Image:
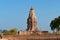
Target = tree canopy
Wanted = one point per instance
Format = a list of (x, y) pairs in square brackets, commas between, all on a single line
[(10, 32), (55, 24)]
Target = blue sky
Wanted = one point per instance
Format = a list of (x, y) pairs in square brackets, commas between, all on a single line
[(14, 13)]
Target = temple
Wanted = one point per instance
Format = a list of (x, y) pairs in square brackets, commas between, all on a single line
[(31, 21), (32, 25)]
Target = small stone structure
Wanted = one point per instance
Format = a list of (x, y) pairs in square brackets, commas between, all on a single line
[(32, 32), (25, 32)]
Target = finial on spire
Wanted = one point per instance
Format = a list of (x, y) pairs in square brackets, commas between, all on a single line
[(32, 8)]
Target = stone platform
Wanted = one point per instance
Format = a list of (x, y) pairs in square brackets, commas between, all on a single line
[(33, 37)]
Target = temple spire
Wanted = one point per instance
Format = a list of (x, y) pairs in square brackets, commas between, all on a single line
[(31, 21)]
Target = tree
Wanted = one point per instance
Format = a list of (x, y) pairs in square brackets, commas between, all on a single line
[(55, 24), (10, 32), (5, 31), (13, 31)]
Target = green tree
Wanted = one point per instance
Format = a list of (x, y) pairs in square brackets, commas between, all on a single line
[(10, 32), (5, 32), (55, 24), (13, 31)]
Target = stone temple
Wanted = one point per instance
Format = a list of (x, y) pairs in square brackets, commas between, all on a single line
[(31, 25), (31, 21)]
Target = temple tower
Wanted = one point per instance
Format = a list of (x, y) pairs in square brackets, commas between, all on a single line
[(31, 21)]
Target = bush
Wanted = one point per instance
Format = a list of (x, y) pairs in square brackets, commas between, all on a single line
[(10, 32)]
